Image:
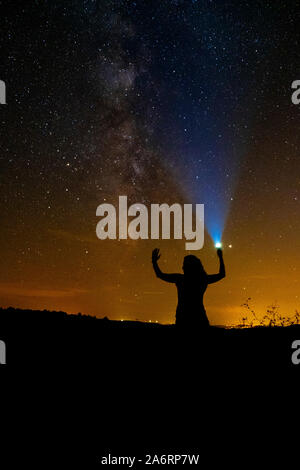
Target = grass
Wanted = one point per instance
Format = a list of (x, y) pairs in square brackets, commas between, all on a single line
[(272, 318)]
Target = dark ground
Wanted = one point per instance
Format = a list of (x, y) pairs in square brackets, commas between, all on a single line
[(129, 388), (56, 338)]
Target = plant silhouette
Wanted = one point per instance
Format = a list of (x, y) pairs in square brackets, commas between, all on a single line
[(191, 286)]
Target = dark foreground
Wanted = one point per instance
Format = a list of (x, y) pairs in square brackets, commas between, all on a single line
[(101, 387), (48, 338)]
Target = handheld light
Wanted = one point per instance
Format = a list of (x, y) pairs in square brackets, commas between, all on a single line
[(218, 245)]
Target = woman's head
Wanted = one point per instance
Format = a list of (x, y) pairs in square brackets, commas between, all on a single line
[(192, 265)]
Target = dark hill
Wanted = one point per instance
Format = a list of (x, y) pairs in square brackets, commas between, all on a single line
[(48, 337)]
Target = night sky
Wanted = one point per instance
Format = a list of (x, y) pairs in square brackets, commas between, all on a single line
[(162, 101)]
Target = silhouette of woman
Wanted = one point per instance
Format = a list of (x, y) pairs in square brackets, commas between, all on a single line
[(191, 286)]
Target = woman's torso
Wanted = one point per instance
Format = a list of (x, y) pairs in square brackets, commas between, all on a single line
[(190, 308)]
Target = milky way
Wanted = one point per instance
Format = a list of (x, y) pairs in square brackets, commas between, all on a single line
[(167, 101)]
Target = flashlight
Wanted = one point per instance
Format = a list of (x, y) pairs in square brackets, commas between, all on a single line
[(218, 245)]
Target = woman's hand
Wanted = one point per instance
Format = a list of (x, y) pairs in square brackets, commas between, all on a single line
[(155, 255), (219, 253)]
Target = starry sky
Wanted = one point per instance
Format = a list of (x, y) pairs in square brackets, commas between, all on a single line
[(165, 101)]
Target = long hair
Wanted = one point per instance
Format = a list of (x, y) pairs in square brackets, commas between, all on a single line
[(193, 266)]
